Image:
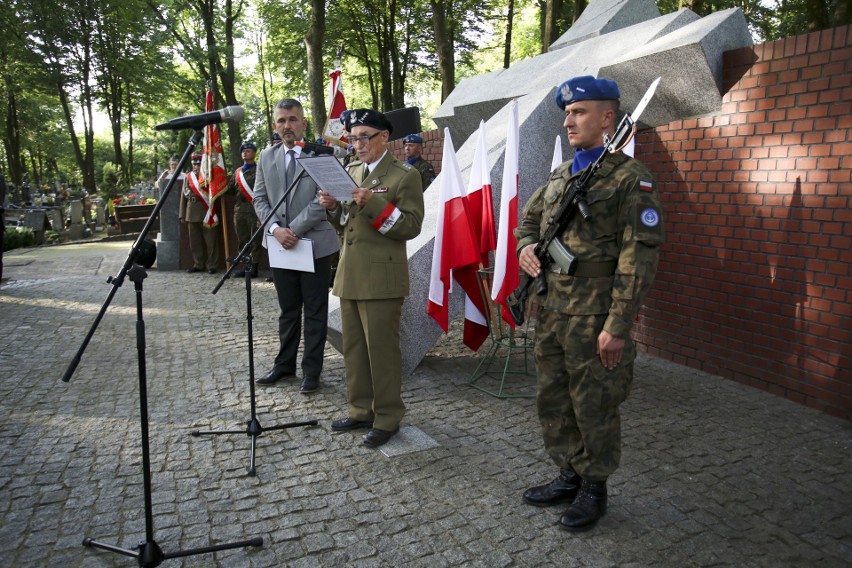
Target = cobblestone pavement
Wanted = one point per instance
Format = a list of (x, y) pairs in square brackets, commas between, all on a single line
[(713, 473)]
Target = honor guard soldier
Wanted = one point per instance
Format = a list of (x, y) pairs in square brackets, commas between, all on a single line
[(245, 218), (413, 148), (192, 210), (583, 349)]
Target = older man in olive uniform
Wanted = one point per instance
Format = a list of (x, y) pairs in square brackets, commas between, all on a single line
[(372, 276), (203, 239), (413, 148), (245, 218), (584, 353)]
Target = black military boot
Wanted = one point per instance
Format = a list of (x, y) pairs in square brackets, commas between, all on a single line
[(587, 508), (563, 489)]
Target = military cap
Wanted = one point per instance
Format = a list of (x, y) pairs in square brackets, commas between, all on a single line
[(586, 88), (367, 117), (196, 158), (248, 146), (412, 139)]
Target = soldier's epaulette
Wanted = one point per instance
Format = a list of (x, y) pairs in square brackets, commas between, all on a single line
[(403, 165)]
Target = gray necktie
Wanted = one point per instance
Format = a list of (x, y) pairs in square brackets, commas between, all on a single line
[(291, 167)]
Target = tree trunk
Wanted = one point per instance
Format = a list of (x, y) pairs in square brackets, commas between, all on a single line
[(444, 47), (12, 142), (552, 13), (507, 53), (579, 6), (316, 71)]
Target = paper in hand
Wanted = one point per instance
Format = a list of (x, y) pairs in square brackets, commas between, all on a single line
[(330, 176)]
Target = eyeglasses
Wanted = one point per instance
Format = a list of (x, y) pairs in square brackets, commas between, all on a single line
[(364, 138)]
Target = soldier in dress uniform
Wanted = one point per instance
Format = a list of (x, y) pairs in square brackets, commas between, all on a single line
[(203, 239), (245, 218), (372, 276), (583, 350), (413, 148)]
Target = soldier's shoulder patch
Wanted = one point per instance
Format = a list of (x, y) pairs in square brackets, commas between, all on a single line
[(650, 217), (645, 185)]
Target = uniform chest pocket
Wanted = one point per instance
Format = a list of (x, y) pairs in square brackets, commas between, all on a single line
[(603, 204)]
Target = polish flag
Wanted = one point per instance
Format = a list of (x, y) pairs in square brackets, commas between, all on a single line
[(505, 259), (455, 244), (212, 177), (557, 154), (480, 208)]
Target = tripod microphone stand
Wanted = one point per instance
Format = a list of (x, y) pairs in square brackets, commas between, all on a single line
[(253, 428), (147, 552)]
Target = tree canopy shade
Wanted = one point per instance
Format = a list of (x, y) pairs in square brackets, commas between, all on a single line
[(140, 62)]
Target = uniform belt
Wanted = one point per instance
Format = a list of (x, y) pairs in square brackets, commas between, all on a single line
[(588, 269)]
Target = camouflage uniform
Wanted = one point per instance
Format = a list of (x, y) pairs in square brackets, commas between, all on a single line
[(426, 169), (617, 252)]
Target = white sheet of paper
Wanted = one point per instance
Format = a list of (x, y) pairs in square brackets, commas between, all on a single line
[(329, 175), (300, 257)]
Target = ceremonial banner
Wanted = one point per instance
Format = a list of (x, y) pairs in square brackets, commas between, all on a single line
[(212, 178), (557, 154), (337, 104)]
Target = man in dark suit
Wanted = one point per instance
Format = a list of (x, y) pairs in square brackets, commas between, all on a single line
[(372, 275), (299, 216)]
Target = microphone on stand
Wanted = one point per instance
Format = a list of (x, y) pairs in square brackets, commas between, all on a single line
[(320, 149), (196, 121)]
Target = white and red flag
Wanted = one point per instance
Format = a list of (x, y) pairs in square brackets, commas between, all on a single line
[(480, 209), (212, 177), (337, 104), (557, 154), (505, 259), (455, 244)]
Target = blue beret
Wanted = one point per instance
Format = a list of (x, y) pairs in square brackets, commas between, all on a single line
[(276, 136), (367, 117), (586, 88), (412, 139), (343, 116), (248, 146)]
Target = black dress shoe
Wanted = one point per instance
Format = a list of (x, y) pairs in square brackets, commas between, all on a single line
[(563, 489), (376, 437), (240, 273), (273, 376), (309, 384), (587, 508), (193, 270), (212, 270), (347, 424)]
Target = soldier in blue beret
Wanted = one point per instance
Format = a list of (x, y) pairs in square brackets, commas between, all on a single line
[(413, 148), (584, 352)]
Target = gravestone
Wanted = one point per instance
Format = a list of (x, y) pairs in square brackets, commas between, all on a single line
[(75, 229), (624, 40), (168, 239)]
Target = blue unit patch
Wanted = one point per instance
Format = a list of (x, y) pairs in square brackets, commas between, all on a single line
[(650, 217)]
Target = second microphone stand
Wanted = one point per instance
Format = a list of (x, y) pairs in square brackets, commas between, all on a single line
[(253, 428)]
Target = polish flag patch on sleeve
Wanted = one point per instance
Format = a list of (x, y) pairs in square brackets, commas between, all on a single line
[(387, 218), (646, 186)]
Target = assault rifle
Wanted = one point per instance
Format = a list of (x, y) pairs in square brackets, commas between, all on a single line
[(551, 248)]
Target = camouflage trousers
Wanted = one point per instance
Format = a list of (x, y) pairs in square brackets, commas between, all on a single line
[(577, 398)]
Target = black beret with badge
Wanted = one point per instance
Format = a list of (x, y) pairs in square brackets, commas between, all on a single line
[(367, 117)]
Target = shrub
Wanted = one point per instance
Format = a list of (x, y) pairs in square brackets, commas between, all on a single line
[(18, 238)]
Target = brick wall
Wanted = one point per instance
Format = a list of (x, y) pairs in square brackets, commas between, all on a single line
[(754, 281), (433, 148)]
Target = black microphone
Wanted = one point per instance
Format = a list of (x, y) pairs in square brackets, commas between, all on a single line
[(320, 149), (196, 121)]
